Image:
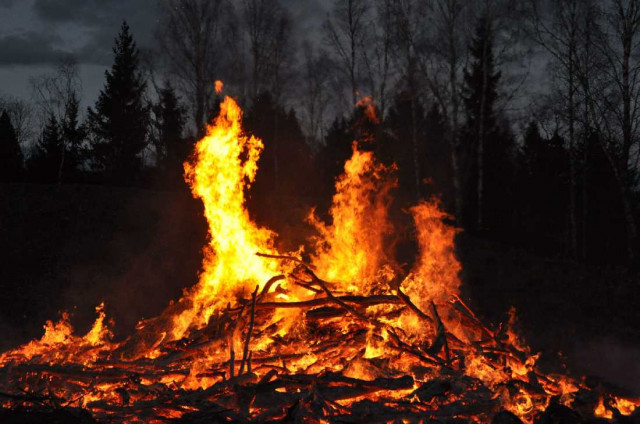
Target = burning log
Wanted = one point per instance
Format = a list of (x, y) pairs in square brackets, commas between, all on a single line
[(248, 338)]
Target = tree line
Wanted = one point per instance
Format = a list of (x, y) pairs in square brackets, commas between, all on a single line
[(554, 169)]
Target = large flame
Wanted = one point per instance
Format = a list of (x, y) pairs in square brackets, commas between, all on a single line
[(435, 274), (224, 165), (352, 248)]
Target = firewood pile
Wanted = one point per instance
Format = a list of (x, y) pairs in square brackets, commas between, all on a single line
[(324, 373), (347, 335)]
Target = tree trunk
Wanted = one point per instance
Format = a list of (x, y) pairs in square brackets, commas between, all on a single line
[(455, 142), (482, 129), (627, 43), (573, 225)]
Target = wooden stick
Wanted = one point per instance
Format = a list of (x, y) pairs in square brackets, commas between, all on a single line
[(359, 300), (441, 331), (232, 353), (469, 313), (248, 336), (407, 301), (232, 357), (283, 257), (330, 295), (269, 283)]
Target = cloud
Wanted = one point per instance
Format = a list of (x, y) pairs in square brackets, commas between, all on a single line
[(29, 48), (6, 3), (97, 23)]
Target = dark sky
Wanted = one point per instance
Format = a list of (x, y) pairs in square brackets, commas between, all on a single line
[(34, 34)]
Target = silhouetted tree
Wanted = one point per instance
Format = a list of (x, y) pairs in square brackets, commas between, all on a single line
[(11, 158), (406, 116), (345, 33), (45, 162), (191, 34), (73, 135), (481, 132), (542, 191), (118, 125), (335, 152), (172, 148), (285, 161), (605, 227), (437, 168)]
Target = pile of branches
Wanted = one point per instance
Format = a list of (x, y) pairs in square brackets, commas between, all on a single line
[(264, 385)]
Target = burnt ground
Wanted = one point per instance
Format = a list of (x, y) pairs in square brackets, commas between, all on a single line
[(70, 247)]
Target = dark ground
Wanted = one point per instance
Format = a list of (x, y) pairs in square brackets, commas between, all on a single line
[(69, 247)]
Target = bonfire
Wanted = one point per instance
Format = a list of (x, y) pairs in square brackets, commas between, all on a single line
[(333, 332)]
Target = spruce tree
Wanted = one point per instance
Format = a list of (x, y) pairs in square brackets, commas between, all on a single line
[(335, 152), (486, 145), (438, 165), (45, 162), (405, 121), (118, 125), (73, 135), (172, 148), (11, 158), (286, 157)]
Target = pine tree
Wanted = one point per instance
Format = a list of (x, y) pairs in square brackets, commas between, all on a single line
[(438, 165), (118, 125), (45, 162), (172, 148), (73, 134), (398, 147), (286, 158), (483, 139), (542, 190), (11, 158), (335, 152)]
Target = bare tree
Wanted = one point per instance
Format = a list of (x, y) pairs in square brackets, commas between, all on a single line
[(622, 102), (345, 31), (407, 19), (559, 34), (190, 35), (54, 92), (433, 35), (268, 28), (377, 53), (57, 94), (314, 93)]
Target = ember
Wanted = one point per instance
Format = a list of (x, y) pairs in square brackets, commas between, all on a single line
[(268, 336)]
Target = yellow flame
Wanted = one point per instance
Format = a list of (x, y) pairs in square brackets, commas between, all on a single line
[(224, 163)]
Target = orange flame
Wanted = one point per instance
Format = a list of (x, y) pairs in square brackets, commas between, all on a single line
[(366, 103), (352, 249), (435, 273)]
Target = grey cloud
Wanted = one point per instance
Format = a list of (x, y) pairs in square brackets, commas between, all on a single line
[(101, 19), (29, 48), (7, 3)]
